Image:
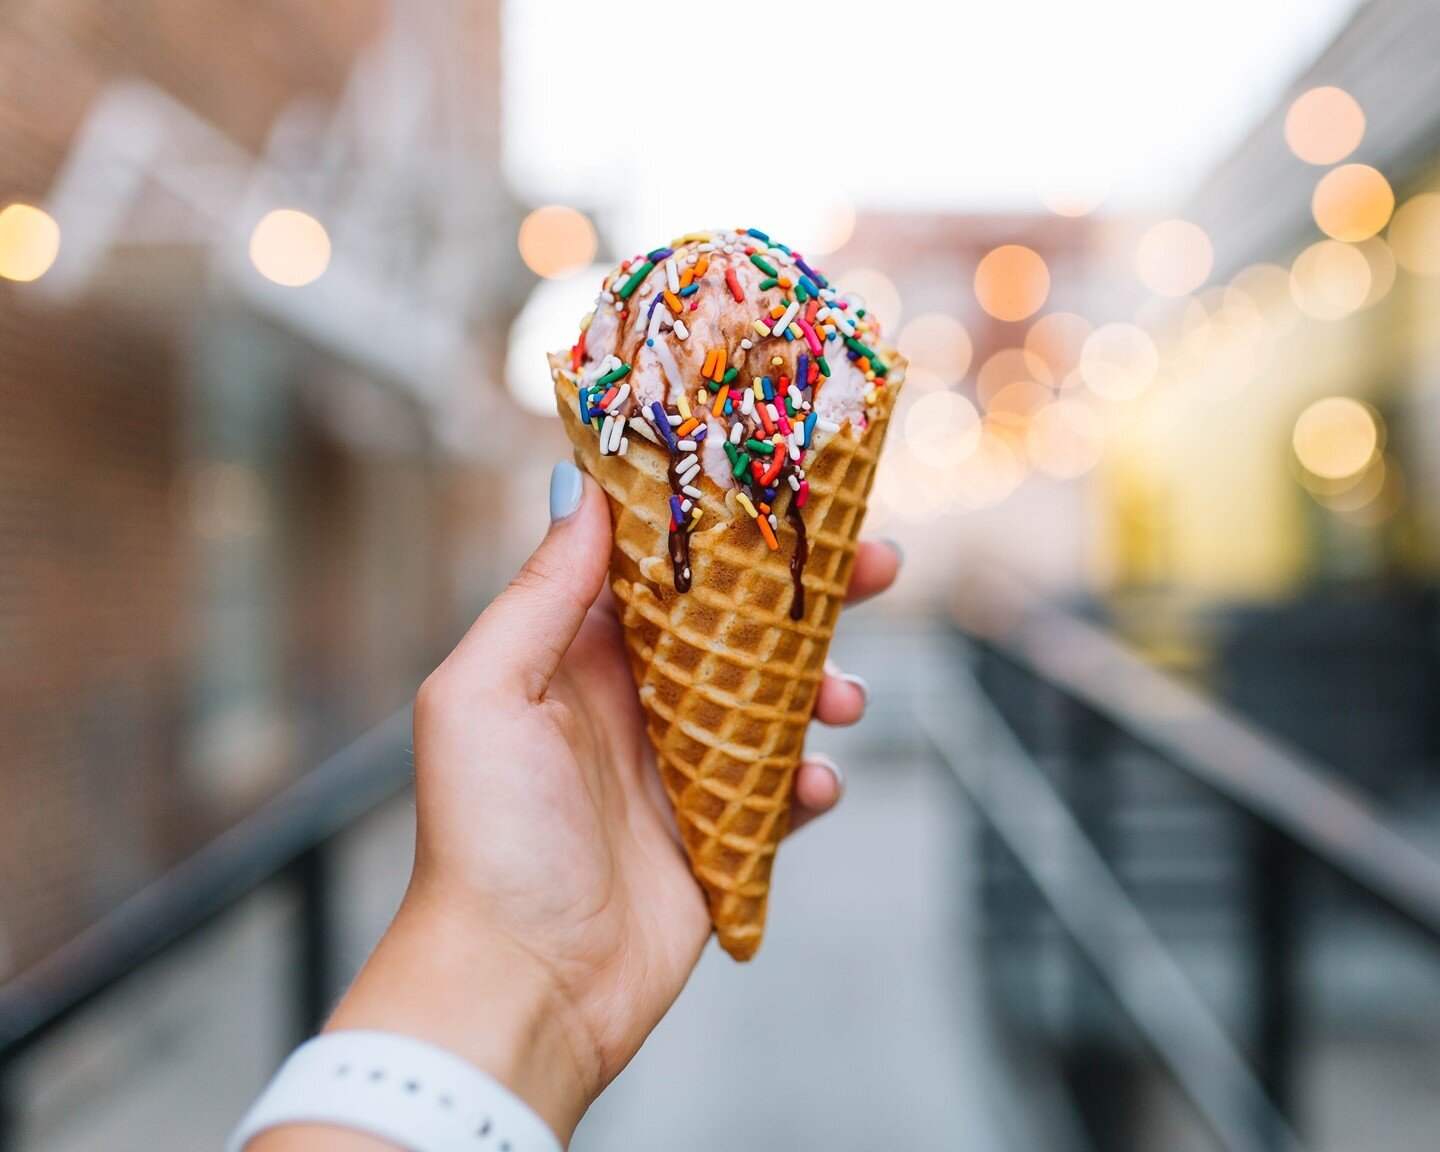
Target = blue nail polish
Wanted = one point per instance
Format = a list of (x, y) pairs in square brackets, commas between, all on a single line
[(894, 546), (566, 488)]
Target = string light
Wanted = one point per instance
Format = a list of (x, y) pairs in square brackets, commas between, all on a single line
[(937, 343), (1053, 346), (1336, 437), (556, 242), (1064, 439), (1330, 280), (290, 247), (877, 291), (1266, 287), (942, 428), (1005, 367), (1352, 203), (1174, 258), (29, 242), (1414, 234), (1012, 282), (837, 225), (1119, 361), (1324, 125)]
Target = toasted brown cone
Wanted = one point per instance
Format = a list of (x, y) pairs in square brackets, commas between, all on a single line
[(727, 679)]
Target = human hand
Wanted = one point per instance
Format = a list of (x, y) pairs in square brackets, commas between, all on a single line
[(551, 918)]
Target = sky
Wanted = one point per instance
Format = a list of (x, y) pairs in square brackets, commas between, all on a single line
[(659, 117)]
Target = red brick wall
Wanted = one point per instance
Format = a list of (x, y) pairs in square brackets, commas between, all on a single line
[(90, 578), (98, 568)]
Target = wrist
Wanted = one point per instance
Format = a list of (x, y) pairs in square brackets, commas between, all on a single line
[(481, 998)]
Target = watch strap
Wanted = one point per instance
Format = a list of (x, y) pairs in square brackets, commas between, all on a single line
[(401, 1089)]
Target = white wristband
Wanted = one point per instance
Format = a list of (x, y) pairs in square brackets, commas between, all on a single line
[(400, 1089)]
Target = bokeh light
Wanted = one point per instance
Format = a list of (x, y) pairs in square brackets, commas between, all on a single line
[(1174, 258), (1350, 492), (1164, 317), (1053, 346), (918, 380), (1119, 361), (1012, 282), (1217, 357), (1414, 234), (1324, 125), (556, 241), (1368, 498), (548, 321), (937, 343), (910, 489), (942, 428), (1352, 203), (836, 226), (1265, 287), (1330, 280), (1020, 399), (29, 242), (290, 247), (1381, 260), (878, 292), (1238, 309), (1074, 200), (1064, 439), (994, 470), (1003, 368), (1336, 437)]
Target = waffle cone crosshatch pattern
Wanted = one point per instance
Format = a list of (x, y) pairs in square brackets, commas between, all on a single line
[(726, 670)]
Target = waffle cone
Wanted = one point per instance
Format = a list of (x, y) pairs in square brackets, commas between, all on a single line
[(726, 678)]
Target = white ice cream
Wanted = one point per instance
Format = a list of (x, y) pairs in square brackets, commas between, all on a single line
[(713, 318)]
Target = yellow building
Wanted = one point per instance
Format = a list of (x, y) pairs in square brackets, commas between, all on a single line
[(1236, 478)]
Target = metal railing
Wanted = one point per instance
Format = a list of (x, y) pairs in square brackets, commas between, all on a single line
[(287, 840), (1104, 696), (1109, 694)]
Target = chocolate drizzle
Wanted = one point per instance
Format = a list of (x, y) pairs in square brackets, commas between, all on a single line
[(751, 328), (798, 559), (679, 535)]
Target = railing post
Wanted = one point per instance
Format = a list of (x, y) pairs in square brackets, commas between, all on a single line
[(1276, 958), (315, 966), (9, 1118), (1102, 1075)]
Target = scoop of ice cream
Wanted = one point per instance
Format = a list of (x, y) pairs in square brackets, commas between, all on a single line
[(728, 309), (738, 360)]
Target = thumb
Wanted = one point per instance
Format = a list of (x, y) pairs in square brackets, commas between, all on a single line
[(520, 639)]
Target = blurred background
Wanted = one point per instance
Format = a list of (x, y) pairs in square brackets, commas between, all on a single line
[(1142, 842)]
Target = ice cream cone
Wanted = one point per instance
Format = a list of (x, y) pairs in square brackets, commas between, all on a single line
[(726, 673)]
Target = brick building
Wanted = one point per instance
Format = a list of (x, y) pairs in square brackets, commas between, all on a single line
[(227, 532)]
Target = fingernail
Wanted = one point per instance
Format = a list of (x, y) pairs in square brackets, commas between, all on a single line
[(894, 546), (566, 488), (860, 684), (830, 766)]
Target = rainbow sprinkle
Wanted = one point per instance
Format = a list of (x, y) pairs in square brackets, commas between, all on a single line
[(790, 315)]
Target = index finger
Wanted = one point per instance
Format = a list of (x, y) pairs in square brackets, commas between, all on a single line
[(877, 564)]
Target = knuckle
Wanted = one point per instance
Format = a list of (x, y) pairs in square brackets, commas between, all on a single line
[(565, 721), (435, 696), (546, 577), (537, 574)]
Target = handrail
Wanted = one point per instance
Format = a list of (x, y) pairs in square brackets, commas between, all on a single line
[(1306, 801), (1023, 809), (260, 847)]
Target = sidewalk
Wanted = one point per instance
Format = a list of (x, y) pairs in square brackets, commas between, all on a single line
[(851, 1031)]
